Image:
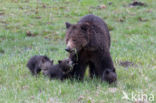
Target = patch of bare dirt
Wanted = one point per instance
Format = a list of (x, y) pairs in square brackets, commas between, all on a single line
[(2, 51), (137, 3), (30, 34), (142, 19), (127, 64), (1, 13)]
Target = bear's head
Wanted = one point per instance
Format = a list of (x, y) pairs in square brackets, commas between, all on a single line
[(109, 75), (66, 65), (45, 63), (76, 36)]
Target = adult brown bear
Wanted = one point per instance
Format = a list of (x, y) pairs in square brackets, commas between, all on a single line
[(91, 39)]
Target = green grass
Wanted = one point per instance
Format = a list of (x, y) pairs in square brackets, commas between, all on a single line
[(133, 36)]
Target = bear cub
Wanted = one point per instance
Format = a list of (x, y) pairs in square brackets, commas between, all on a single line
[(58, 71), (38, 63), (109, 75)]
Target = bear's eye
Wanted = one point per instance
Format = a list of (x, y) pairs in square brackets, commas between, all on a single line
[(107, 72), (74, 40), (113, 70), (67, 40)]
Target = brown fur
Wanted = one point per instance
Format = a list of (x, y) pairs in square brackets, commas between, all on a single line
[(91, 40)]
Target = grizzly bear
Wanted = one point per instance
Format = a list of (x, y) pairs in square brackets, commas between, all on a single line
[(88, 43), (38, 63), (58, 71)]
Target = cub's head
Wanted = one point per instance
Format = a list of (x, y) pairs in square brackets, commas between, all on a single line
[(66, 65), (76, 36), (45, 63), (109, 75)]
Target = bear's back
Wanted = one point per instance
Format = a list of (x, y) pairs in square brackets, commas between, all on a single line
[(93, 20), (97, 21), (33, 61)]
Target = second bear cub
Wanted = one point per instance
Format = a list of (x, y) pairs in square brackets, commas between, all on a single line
[(58, 71), (109, 75)]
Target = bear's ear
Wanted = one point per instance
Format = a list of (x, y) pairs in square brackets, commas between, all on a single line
[(67, 25), (45, 57), (59, 61), (84, 26), (43, 60)]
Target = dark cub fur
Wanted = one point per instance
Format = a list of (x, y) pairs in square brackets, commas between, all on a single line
[(59, 70), (109, 75), (38, 63)]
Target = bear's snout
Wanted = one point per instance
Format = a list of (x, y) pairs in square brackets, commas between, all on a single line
[(68, 49)]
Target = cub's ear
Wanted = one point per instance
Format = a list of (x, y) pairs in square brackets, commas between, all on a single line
[(43, 60), (67, 25), (84, 26), (45, 57), (59, 61)]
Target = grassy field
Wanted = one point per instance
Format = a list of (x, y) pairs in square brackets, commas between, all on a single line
[(31, 27)]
